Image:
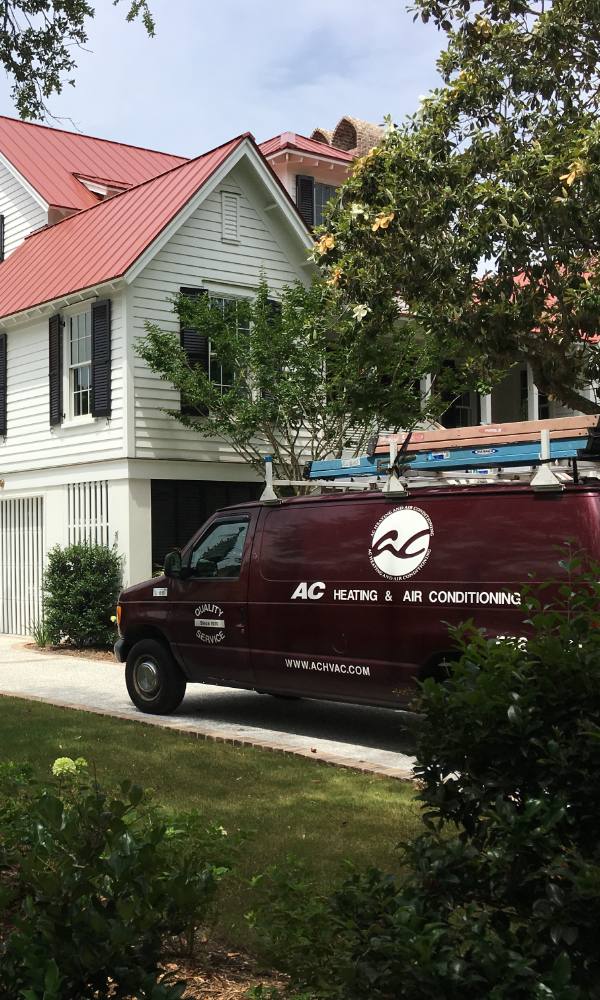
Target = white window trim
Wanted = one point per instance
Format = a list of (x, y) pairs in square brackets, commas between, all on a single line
[(70, 420)]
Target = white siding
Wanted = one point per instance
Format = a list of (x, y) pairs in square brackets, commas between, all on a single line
[(197, 256), (30, 442), (22, 214)]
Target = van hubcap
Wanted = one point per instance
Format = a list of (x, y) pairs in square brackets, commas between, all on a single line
[(147, 679)]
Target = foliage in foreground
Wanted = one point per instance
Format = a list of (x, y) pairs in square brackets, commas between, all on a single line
[(498, 167), (92, 883), (502, 895), (81, 587)]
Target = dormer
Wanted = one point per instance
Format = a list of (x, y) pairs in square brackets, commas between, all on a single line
[(310, 171)]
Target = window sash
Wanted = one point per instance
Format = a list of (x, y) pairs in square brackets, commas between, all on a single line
[(79, 367)]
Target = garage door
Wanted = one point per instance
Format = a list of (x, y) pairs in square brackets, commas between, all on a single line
[(21, 563)]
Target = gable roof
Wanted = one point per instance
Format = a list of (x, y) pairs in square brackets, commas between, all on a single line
[(49, 159), (291, 140), (101, 243)]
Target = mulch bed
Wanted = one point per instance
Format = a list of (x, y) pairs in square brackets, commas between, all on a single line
[(222, 975), (85, 654)]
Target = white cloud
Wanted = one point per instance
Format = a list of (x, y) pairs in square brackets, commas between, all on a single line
[(217, 69)]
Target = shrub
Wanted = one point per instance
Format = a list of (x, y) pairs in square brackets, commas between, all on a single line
[(81, 587), (501, 896), (91, 884)]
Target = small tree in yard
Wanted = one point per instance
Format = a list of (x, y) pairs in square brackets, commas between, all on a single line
[(286, 378), (81, 587)]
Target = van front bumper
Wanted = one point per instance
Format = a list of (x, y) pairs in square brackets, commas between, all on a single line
[(121, 648)]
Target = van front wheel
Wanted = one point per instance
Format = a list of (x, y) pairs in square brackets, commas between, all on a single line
[(154, 681)]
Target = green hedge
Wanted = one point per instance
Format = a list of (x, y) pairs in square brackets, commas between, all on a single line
[(81, 587), (93, 881)]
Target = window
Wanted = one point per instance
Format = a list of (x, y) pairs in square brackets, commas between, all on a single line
[(218, 373), (219, 553), (323, 194), (79, 347), (311, 199)]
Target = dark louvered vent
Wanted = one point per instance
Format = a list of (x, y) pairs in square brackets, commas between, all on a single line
[(1, 237), (196, 346), (101, 367), (305, 198), (180, 508), (55, 369), (3, 387)]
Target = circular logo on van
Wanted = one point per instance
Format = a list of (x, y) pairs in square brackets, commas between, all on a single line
[(400, 543), (209, 622)]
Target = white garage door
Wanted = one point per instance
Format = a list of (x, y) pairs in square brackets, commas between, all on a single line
[(21, 564)]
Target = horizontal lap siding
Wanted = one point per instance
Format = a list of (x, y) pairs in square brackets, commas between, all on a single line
[(22, 214), (30, 442), (195, 256)]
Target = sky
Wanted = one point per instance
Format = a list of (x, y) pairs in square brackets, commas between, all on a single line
[(217, 68)]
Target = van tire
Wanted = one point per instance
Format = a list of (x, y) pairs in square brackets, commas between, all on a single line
[(155, 683)]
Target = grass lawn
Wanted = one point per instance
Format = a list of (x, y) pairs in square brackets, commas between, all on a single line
[(285, 805)]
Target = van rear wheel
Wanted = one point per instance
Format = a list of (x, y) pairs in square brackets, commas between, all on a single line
[(154, 681)]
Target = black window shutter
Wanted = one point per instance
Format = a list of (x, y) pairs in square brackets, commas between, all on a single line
[(305, 198), (101, 367), (55, 369), (196, 346), (3, 385), (1, 237)]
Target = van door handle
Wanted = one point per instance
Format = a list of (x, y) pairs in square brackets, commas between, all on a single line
[(242, 622)]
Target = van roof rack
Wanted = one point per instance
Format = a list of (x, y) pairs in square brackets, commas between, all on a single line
[(489, 453)]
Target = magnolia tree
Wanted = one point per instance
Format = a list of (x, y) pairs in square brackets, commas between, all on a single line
[(482, 212), (37, 43), (287, 378)]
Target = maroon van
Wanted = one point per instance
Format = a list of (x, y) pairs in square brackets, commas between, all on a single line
[(346, 596)]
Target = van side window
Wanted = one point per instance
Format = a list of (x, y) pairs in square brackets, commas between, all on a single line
[(219, 553)]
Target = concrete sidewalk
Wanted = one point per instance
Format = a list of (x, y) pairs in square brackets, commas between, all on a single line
[(365, 739)]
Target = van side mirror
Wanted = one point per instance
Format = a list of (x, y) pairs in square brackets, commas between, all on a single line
[(173, 564)]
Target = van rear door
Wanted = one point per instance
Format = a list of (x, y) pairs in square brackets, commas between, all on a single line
[(209, 607)]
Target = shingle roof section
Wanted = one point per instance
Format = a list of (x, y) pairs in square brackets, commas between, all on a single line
[(291, 140), (49, 158), (102, 243)]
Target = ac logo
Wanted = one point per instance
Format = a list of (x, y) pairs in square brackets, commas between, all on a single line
[(309, 591), (400, 543)]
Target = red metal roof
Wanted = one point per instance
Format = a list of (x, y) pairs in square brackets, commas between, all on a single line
[(102, 242), (49, 158), (290, 140)]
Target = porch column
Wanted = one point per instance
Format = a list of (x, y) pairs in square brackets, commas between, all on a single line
[(485, 405), (130, 517), (533, 405)]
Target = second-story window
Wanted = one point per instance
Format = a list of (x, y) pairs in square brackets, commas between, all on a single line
[(80, 364), (220, 374), (311, 198)]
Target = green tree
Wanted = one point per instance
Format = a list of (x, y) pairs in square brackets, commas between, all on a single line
[(37, 39), (282, 376), (482, 212)]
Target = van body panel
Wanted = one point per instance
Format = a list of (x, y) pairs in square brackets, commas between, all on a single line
[(208, 609), (350, 597)]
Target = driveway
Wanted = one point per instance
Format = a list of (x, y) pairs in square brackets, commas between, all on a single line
[(366, 739)]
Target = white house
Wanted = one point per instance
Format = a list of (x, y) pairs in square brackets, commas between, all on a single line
[(98, 237)]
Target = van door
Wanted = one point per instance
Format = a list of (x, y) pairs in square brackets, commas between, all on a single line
[(209, 607)]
